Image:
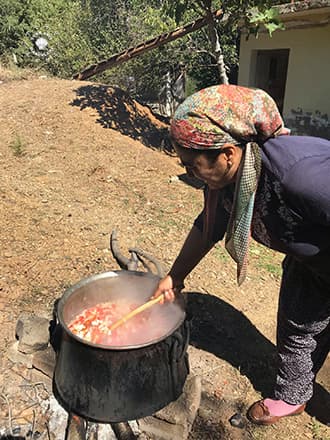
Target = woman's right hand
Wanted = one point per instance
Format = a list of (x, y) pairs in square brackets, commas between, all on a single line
[(169, 288)]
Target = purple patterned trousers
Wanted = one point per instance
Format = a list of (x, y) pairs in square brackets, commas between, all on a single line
[(303, 327)]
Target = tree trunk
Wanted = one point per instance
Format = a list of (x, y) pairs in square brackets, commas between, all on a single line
[(216, 48)]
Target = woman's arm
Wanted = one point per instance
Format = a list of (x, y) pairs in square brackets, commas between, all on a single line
[(192, 252)]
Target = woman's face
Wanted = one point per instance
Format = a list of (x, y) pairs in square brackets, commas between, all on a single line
[(216, 172)]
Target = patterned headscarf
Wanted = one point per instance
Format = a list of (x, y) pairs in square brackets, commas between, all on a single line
[(230, 114), (224, 114)]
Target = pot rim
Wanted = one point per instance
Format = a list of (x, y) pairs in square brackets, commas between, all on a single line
[(113, 273)]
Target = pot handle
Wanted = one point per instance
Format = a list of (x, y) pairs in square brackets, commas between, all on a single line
[(176, 357), (55, 329), (137, 256)]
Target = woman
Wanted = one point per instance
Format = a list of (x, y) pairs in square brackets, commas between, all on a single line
[(275, 187)]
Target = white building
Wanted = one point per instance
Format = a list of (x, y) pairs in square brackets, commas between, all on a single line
[(293, 65)]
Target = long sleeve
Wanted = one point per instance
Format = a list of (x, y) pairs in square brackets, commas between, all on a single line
[(292, 209), (221, 220)]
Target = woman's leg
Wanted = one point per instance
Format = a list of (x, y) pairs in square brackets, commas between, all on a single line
[(303, 331), (303, 340)]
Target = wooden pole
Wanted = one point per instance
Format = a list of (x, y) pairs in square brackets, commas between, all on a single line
[(136, 311), (135, 51)]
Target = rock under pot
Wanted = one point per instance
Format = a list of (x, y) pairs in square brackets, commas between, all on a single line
[(119, 383)]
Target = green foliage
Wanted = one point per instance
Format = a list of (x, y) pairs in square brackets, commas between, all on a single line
[(143, 75), (12, 27), (202, 63), (191, 86), (265, 259), (82, 32), (57, 21), (17, 145), (253, 13), (269, 18)]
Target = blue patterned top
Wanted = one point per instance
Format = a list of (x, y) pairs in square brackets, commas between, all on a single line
[(292, 206)]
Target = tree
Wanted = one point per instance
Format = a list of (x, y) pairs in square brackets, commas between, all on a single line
[(138, 21), (250, 13), (77, 33), (24, 22)]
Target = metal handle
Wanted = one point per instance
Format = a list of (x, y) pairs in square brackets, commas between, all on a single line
[(137, 255), (176, 357)]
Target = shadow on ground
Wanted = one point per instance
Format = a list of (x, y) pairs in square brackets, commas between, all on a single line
[(116, 109), (191, 181), (219, 328), (12, 437)]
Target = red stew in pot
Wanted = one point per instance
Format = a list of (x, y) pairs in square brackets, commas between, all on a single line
[(93, 325)]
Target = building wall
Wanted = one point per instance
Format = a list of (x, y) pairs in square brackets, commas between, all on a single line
[(306, 106)]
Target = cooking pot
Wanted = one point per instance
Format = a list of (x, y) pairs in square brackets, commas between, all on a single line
[(120, 383)]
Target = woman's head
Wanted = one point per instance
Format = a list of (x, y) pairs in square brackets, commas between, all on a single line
[(216, 167), (210, 128)]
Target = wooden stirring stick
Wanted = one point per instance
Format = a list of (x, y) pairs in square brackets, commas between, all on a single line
[(136, 311)]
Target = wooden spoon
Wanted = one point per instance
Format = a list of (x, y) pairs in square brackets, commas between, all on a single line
[(136, 311)]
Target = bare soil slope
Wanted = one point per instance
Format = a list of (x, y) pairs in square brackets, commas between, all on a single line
[(80, 159)]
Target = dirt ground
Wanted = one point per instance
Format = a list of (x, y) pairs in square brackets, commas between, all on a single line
[(80, 159)]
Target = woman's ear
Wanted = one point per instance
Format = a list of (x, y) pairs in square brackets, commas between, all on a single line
[(232, 154), (229, 151)]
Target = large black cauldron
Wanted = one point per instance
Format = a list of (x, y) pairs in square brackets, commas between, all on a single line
[(115, 384)]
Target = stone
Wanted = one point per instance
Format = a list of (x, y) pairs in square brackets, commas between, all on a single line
[(44, 360), (161, 430), (237, 421), (17, 357), (176, 419), (183, 409), (58, 419), (32, 332)]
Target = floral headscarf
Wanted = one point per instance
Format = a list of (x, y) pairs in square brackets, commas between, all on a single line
[(229, 114), (224, 114)]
